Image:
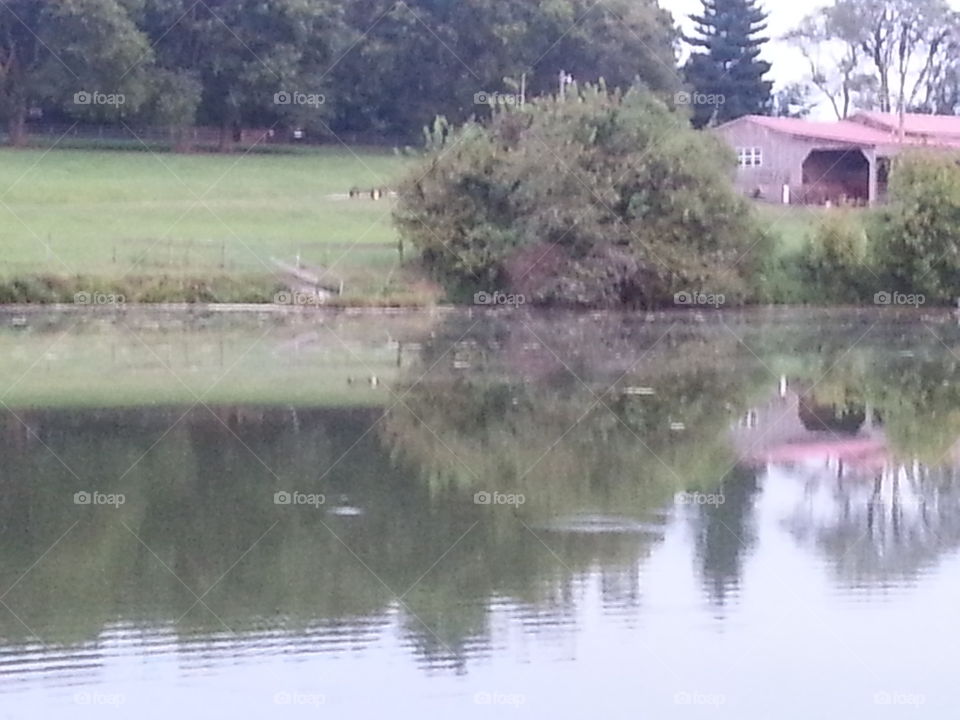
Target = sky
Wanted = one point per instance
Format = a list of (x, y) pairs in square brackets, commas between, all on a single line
[(788, 63)]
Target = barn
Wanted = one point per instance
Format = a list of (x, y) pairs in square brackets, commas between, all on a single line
[(846, 161)]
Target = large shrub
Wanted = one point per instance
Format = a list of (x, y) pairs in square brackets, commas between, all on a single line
[(835, 260), (601, 199), (919, 240)]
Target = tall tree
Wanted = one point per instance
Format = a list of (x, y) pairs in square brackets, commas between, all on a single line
[(619, 41), (244, 54), (882, 54), (414, 60), (727, 77), (836, 65), (67, 54)]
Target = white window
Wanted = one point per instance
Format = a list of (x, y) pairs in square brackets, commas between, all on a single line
[(749, 157)]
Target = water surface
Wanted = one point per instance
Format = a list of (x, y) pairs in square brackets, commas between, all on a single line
[(464, 515)]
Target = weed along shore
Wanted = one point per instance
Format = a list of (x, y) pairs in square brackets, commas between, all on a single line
[(251, 291)]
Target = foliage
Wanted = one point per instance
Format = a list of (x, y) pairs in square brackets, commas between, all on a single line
[(244, 54), (365, 66), (883, 54), (835, 258), (415, 60), (602, 199), (53, 52), (919, 240), (795, 100), (727, 76)]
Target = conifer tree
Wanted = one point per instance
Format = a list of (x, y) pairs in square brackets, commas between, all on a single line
[(726, 76)]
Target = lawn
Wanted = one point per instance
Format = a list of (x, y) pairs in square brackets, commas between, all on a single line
[(113, 214), (158, 225)]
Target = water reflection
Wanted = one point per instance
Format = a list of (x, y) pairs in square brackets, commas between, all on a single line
[(518, 477)]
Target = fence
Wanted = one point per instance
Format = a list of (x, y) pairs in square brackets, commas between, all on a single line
[(201, 136)]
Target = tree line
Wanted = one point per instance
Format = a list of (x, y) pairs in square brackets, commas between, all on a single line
[(388, 67), (374, 67), (325, 66)]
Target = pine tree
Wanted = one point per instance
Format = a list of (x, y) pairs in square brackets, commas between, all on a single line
[(727, 76)]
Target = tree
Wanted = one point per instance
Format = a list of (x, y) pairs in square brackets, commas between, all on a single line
[(727, 77), (940, 81), (71, 54), (603, 199), (882, 54), (255, 60), (412, 61), (836, 64), (919, 243), (619, 42), (794, 101)]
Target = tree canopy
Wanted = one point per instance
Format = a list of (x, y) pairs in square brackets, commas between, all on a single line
[(74, 56), (375, 67)]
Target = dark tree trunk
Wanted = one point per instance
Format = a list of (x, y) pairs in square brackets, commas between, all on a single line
[(17, 128), (182, 138), (226, 138)]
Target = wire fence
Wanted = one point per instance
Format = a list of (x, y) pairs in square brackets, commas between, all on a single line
[(48, 133)]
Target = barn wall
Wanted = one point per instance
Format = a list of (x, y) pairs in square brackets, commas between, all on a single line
[(783, 158)]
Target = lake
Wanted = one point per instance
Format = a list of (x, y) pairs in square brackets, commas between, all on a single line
[(475, 514)]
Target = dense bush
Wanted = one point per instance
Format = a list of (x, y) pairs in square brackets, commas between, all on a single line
[(918, 242), (835, 260), (602, 199)]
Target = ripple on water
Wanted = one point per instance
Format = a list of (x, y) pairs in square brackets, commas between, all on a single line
[(36, 664), (587, 524)]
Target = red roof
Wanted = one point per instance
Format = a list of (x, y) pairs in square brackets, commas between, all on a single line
[(843, 131), (848, 132), (941, 126), (856, 452)]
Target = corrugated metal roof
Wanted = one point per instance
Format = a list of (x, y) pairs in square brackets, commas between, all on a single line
[(849, 132), (932, 125)]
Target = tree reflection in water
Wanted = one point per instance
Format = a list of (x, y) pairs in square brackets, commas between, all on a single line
[(597, 421)]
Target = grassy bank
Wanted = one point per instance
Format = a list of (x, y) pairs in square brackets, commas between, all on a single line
[(197, 227), (152, 228)]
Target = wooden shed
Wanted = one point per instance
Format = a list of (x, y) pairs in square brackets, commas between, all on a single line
[(805, 161)]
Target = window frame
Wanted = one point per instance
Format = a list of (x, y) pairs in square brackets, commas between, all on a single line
[(749, 157)]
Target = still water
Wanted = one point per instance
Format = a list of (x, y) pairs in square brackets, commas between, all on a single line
[(744, 516)]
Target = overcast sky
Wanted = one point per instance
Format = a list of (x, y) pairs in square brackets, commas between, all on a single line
[(788, 63), (784, 16)]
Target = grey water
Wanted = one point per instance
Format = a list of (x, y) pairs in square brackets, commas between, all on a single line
[(728, 515)]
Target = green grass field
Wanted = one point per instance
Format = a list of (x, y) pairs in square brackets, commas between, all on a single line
[(113, 214), (169, 227)]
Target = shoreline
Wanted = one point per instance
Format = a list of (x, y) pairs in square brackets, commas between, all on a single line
[(388, 308)]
